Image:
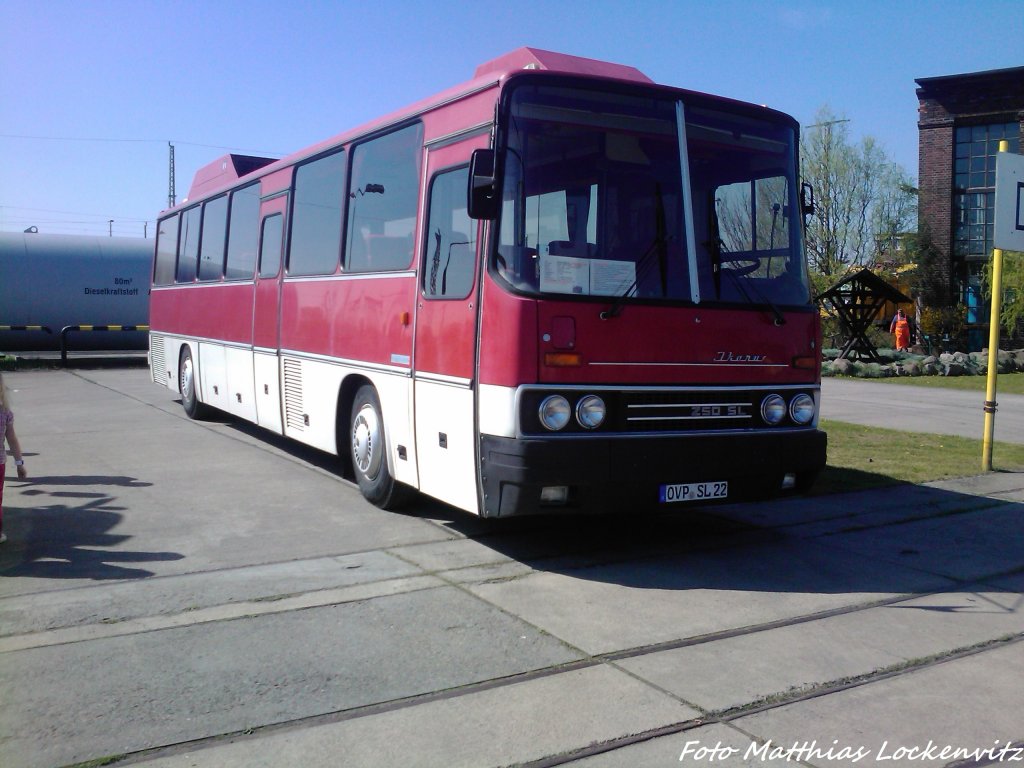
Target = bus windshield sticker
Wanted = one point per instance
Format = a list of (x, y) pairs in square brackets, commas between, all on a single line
[(586, 277), (611, 278), (564, 274)]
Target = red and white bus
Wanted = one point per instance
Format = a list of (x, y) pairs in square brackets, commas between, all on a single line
[(558, 286)]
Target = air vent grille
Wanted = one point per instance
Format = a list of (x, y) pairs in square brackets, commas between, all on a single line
[(293, 408), (158, 360)]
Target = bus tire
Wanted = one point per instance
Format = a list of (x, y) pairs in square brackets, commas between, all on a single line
[(369, 452), (187, 386)]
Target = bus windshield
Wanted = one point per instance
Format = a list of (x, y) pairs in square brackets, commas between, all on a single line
[(598, 200)]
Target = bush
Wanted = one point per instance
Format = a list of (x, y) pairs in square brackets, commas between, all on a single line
[(876, 371)]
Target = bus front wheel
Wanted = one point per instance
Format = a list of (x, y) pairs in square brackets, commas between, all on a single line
[(370, 454), (187, 386)]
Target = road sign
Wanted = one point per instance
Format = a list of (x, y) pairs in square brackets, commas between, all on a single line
[(1009, 213)]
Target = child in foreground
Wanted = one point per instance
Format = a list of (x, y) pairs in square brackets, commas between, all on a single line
[(11, 438)]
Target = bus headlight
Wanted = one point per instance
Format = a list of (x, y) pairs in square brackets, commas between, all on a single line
[(590, 412), (554, 412), (773, 409), (801, 409)]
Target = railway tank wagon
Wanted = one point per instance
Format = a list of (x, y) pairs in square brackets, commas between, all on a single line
[(55, 281)]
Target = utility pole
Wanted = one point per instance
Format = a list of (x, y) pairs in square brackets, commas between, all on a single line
[(110, 228), (993, 332), (170, 179)]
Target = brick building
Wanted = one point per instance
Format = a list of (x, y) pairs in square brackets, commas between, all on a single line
[(961, 121)]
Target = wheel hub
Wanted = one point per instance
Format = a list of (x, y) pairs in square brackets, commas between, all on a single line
[(186, 378), (366, 441)]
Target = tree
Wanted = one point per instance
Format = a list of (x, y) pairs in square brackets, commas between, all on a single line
[(863, 199), (894, 214), (1011, 313)]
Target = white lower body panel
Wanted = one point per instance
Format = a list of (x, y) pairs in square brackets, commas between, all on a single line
[(446, 441), (301, 396)]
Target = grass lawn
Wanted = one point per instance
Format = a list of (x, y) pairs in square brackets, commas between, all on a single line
[(868, 457)]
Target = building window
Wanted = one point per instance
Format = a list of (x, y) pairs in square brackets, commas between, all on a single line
[(974, 185)]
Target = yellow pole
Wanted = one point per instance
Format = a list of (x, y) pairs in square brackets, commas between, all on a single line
[(993, 350)]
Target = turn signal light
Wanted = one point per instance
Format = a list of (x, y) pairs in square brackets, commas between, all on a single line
[(562, 359), (809, 362)]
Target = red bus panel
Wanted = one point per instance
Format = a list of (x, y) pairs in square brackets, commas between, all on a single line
[(350, 318), (220, 311)]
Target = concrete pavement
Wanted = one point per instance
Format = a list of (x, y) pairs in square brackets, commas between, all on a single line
[(202, 594)]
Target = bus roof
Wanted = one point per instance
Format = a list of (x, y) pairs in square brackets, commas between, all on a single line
[(225, 171), (535, 58)]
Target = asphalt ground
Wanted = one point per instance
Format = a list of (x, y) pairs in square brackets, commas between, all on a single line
[(203, 594), (921, 409)]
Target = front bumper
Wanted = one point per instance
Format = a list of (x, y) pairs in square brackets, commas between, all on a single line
[(625, 474)]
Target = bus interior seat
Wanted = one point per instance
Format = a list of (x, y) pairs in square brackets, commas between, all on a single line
[(518, 265)]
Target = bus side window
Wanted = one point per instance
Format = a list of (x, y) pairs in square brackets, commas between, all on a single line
[(316, 216), (188, 245), (270, 246), (449, 255), (166, 251), (242, 231), (382, 201), (215, 230)]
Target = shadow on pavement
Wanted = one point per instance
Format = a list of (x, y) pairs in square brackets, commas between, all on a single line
[(69, 540), (842, 480), (901, 539)]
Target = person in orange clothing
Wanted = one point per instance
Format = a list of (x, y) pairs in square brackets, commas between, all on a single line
[(901, 327)]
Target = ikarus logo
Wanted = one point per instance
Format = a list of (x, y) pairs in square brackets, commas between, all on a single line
[(732, 357)]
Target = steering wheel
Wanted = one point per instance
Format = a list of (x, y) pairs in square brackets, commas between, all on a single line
[(747, 264)]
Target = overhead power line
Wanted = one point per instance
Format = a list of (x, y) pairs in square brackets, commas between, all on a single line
[(104, 216), (137, 141)]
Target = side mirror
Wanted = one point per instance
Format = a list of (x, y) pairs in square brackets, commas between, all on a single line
[(806, 199), (483, 186)]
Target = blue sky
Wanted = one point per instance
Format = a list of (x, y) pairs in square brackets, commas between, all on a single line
[(91, 92)]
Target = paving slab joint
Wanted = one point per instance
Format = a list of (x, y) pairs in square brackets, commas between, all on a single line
[(812, 691)]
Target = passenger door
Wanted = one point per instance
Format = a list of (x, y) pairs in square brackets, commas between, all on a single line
[(445, 341), (266, 327)]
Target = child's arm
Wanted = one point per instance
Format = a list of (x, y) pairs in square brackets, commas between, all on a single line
[(12, 440)]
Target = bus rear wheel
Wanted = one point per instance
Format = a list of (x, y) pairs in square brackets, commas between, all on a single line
[(370, 454)]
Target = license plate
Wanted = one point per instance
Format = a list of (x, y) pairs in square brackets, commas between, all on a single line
[(668, 494)]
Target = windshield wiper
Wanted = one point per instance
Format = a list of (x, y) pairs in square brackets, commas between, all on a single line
[(771, 238), (644, 264)]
